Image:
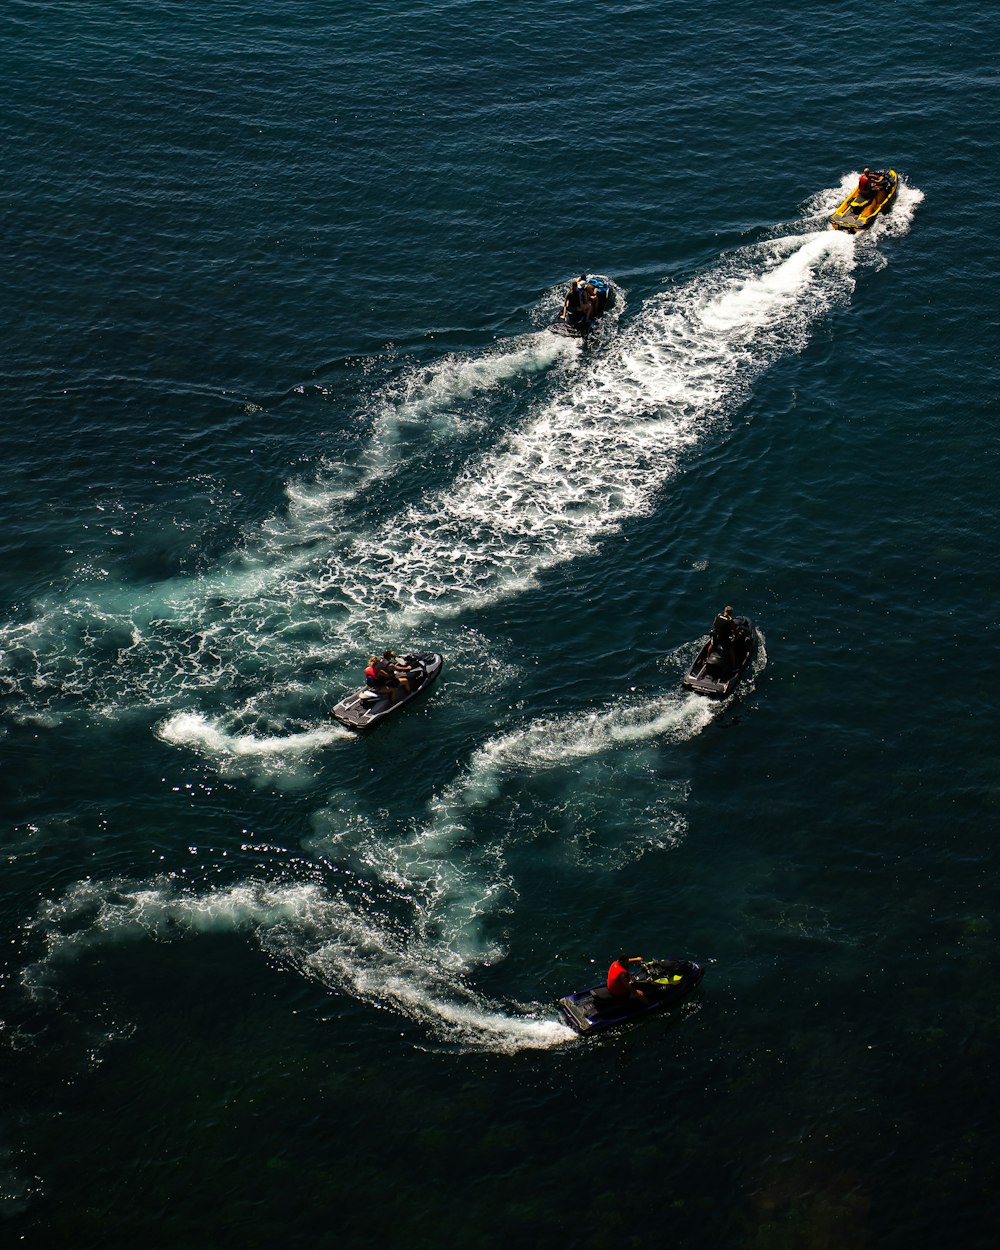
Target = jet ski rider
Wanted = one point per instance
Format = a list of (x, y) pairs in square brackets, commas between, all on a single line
[(869, 185), (579, 304), (385, 676), (621, 982), (724, 635)]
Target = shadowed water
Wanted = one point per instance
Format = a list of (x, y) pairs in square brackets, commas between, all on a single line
[(280, 391)]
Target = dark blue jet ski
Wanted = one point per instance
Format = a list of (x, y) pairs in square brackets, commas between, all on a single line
[(364, 709), (717, 669), (575, 324), (664, 982)]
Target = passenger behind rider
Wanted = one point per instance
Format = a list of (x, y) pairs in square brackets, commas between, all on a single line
[(573, 304), (622, 984), (589, 303)]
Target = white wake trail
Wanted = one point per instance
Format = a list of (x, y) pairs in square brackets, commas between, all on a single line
[(413, 939), (599, 453), (586, 460)]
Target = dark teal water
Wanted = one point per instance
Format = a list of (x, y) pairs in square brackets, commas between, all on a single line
[(277, 390)]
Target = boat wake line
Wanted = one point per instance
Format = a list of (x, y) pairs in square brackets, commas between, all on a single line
[(582, 462), (416, 941), (415, 414), (308, 592)]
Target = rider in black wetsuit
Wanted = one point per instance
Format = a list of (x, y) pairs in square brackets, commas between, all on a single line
[(724, 635)]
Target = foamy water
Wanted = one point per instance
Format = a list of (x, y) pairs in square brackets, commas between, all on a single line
[(413, 945), (596, 454)]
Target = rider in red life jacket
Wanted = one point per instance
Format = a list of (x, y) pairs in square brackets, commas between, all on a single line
[(620, 981), (865, 185), (385, 675)]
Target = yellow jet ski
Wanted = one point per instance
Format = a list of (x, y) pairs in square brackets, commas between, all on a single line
[(859, 211)]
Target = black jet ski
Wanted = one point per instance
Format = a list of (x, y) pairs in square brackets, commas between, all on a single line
[(574, 324), (857, 212), (364, 709), (717, 669), (663, 981)]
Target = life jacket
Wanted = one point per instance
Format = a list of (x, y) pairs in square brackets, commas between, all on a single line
[(372, 678), (619, 979)]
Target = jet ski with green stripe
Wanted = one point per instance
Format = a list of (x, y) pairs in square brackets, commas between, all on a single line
[(663, 982)]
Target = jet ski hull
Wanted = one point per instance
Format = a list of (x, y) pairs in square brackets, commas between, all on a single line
[(714, 673), (854, 216), (364, 709), (666, 982), (575, 327)]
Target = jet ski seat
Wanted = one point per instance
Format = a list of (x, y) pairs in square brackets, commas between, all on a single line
[(605, 1001)]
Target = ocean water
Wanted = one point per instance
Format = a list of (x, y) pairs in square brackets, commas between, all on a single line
[(278, 390)]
